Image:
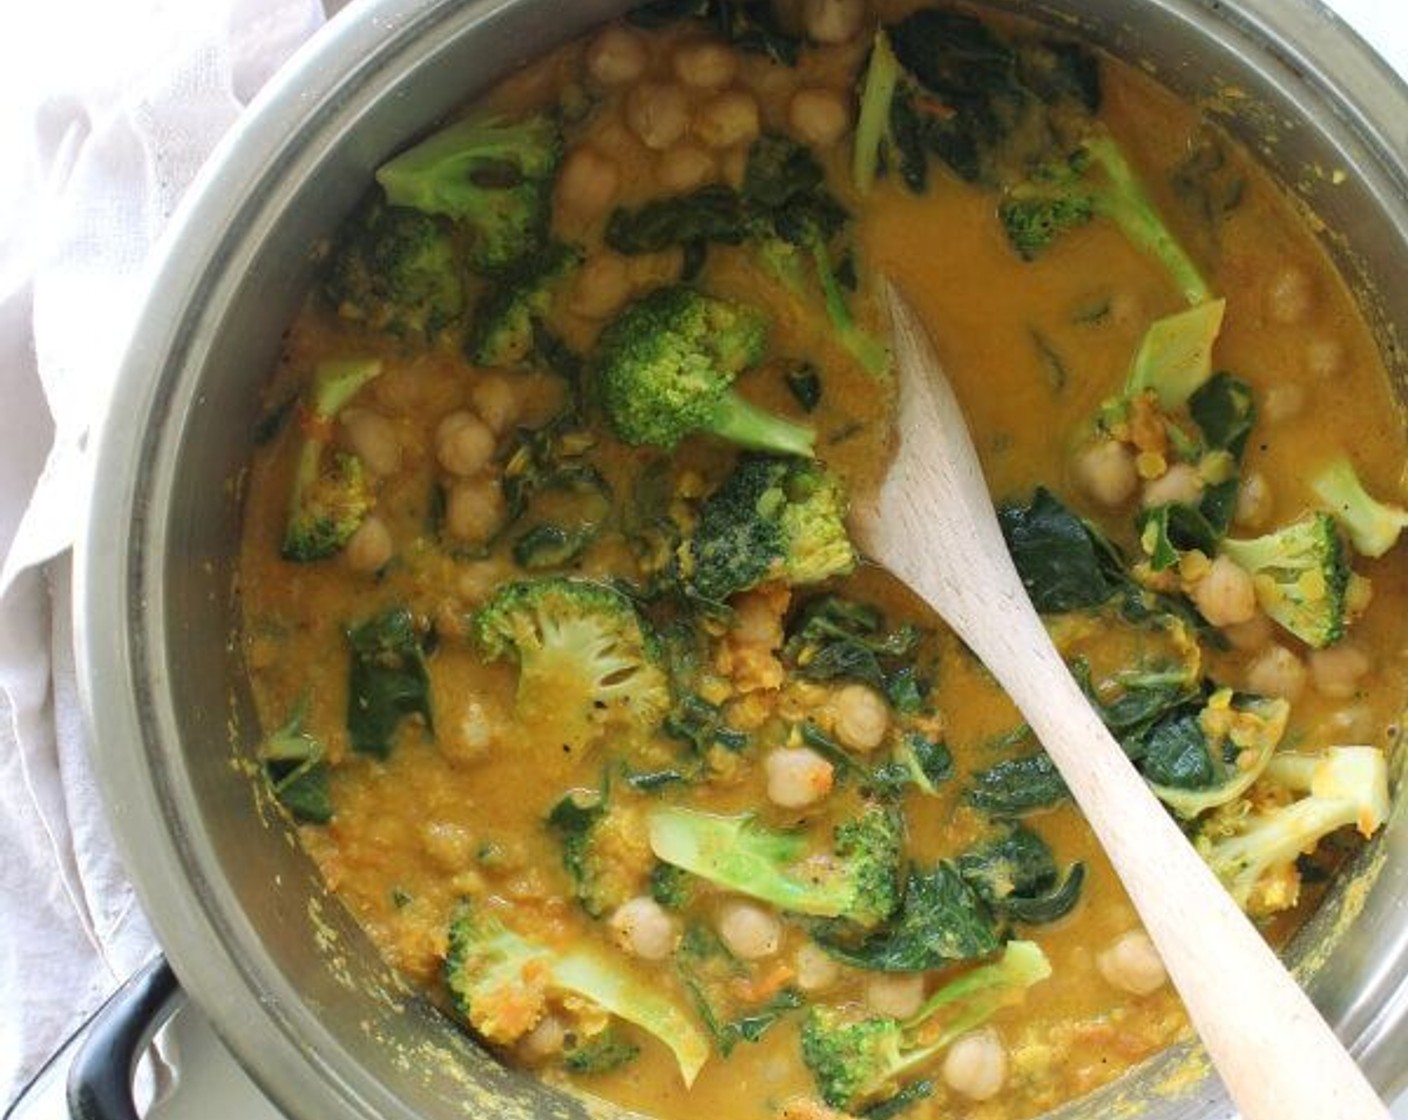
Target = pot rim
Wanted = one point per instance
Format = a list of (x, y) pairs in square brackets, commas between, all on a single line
[(120, 607)]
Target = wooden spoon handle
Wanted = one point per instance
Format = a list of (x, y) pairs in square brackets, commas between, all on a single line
[(1277, 1057)]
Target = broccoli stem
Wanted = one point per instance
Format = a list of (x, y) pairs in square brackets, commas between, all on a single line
[(750, 426), (872, 355), (1129, 206), (881, 78)]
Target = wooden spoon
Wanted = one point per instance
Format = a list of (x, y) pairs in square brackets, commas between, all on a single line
[(933, 525)]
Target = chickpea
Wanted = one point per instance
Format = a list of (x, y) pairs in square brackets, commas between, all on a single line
[(601, 286), (976, 1065), (372, 438), (475, 509), (832, 21), (616, 56), (819, 116), (704, 64), (797, 777), (448, 844), (1251, 635), (642, 927), (1226, 595), (816, 968), (463, 443), (658, 113), (1290, 295), (757, 619), (750, 931), (370, 548), (495, 397), (1180, 483), (896, 994), (862, 719), (469, 738), (1277, 672), (728, 120), (544, 1041), (685, 166), (587, 183), (1335, 672), (1132, 964), (1254, 502), (1106, 472), (1325, 358), (1283, 402)]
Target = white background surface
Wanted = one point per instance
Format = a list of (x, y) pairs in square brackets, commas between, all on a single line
[(52, 53)]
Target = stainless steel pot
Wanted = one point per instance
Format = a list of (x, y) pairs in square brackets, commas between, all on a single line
[(291, 985)]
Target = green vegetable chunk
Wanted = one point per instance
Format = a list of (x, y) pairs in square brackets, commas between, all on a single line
[(1373, 526), (665, 368), (861, 884), (500, 981), (388, 681), (491, 175), (1301, 577), (585, 662), (772, 518), (296, 768), (329, 502), (859, 1062)]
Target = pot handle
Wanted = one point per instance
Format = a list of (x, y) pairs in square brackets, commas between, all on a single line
[(100, 1078)]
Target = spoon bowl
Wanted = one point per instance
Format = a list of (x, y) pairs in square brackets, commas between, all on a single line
[(932, 524)]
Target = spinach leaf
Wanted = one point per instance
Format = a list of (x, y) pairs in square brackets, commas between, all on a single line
[(1169, 529), (1015, 873), (1174, 750), (982, 103), (1065, 565), (1224, 411), (700, 724), (941, 920), (709, 973), (710, 215), (750, 25), (296, 768), (804, 383), (918, 761), (906, 1098), (388, 680), (599, 1053), (831, 638), (1017, 786)]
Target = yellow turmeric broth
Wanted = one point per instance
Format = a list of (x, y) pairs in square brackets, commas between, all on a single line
[(451, 817)]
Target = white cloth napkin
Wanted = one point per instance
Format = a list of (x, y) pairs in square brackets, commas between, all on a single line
[(107, 110)]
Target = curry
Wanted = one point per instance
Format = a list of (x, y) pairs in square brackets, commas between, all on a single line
[(583, 700)]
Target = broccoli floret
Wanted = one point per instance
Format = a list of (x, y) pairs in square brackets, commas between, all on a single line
[(502, 982), (604, 849), (1254, 851), (1373, 526), (397, 271), (859, 882), (665, 368), (1095, 181), (585, 662), (503, 320), (796, 218), (329, 502), (861, 1061), (1301, 577), (491, 175), (772, 518)]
